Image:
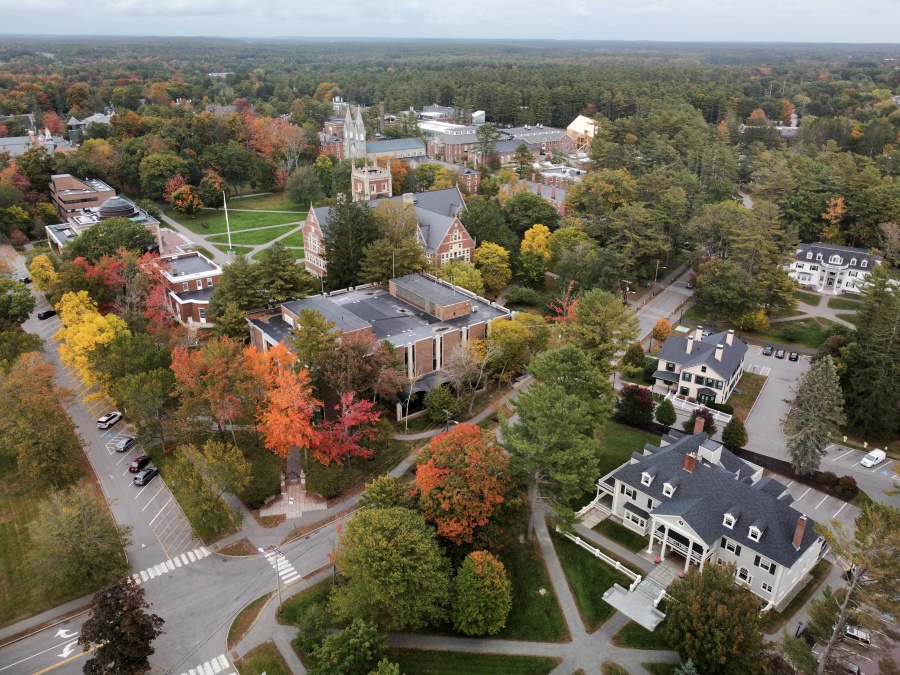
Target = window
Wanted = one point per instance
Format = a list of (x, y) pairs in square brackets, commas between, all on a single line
[(668, 489), (814, 268), (732, 546), (767, 587), (818, 256), (728, 521), (646, 478), (686, 377), (864, 263), (202, 313), (799, 266), (702, 369), (717, 384), (199, 284), (685, 391), (766, 565), (209, 282), (809, 256), (634, 518), (853, 262), (185, 286), (670, 367), (744, 575), (629, 492), (755, 533)]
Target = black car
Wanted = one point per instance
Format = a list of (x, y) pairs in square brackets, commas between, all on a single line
[(145, 476), (793, 356), (779, 354), (767, 351), (46, 314)]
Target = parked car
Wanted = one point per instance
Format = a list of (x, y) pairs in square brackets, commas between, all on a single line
[(139, 463), (767, 350), (109, 419), (793, 356), (145, 475), (873, 458), (779, 354), (858, 634), (125, 444), (46, 314)]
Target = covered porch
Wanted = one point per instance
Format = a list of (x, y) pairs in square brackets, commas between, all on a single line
[(672, 541)]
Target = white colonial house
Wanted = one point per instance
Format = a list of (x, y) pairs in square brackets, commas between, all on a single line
[(702, 368), (828, 268), (696, 500)]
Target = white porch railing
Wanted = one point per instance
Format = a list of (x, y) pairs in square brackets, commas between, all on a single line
[(687, 406), (597, 553)]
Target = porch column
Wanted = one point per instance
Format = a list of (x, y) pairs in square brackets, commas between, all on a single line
[(703, 558), (662, 553), (687, 561)]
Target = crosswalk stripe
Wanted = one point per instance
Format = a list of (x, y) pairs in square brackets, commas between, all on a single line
[(151, 573), (170, 565), (144, 575), (161, 569), (192, 672), (208, 669), (287, 578), (215, 666), (177, 562), (205, 551), (192, 556), (184, 558), (222, 660)]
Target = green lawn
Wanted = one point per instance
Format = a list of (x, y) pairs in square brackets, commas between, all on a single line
[(294, 240), (237, 220), (294, 608), (253, 237), (272, 202), (844, 303), (425, 662), (621, 534), (660, 668), (334, 479), (750, 385), (610, 668), (772, 621), (589, 578), (238, 250), (20, 594), (809, 298), (618, 441), (298, 253), (265, 659), (811, 332), (850, 317), (635, 636)]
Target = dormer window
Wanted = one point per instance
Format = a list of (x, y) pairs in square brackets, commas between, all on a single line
[(668, 489), (728, 521), (852, 262), (864, 263), (818, 256), (835, 259), (755, 533), (646, 478), (809, 256)]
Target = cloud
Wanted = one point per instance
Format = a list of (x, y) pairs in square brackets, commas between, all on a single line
[(580, 10)]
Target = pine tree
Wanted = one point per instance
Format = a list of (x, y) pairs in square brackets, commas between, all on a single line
[(665, 413), (734, 435), (817, 412)]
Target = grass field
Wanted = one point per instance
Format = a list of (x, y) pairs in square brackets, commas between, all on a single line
[(844, 303), (263, 660), (610, 668), (271, 202), (203, 251), (621, 534), (811, 332), (245, 619), (237, 220), (750, 385), (238, 250), (294, 240), (660, 668), (635, 636), (425, 662), (254, 237), (298, 253), (589, 578), (809, 298), (849, 317), (773, 621)]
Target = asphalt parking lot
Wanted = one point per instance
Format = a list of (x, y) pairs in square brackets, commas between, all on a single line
[(817, 505)]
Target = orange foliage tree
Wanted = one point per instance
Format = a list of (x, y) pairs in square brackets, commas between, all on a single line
[(340, 440), (285, 418), (833, 216), (461, 480)]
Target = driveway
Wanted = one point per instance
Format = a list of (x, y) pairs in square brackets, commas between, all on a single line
[(819, 506), (875, 480)]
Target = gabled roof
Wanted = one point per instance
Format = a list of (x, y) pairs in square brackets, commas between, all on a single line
[(827, 250), (395, 144), (433, 227), (706, 494), (703, 352)]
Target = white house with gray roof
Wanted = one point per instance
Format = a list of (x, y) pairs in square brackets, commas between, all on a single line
[(829, 268), (702, 368), (696, 500)]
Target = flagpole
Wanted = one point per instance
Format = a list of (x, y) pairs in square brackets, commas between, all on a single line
[(227, 226)]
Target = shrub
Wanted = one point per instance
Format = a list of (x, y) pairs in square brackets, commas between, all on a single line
[(635, 405), (18, 239), (734, 435), (827, 478), (792, 332), (665, 413), (651, 367), (634, 356), (846, 485), (721, 407), (521, 295), (265, 478), (439, 401)]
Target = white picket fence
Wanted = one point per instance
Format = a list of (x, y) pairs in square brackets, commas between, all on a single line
[(597, 553), (687, 406)]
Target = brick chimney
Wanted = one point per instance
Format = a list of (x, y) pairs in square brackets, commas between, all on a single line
[(699, 423), (799, 532), (698, 334), (533, 177), (553, 192), (690, 461), (719, 350), (729, 338), (690, 344), (539, 186)]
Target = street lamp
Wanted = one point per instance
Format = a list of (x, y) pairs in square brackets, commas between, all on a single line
[(277, 571), (656, 274)]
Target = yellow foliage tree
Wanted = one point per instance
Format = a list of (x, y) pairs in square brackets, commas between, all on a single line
[(537, 240), (42, 273), (493, 262)]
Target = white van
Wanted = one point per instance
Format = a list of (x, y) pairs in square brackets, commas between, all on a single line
[(873, 458), (859, 634)]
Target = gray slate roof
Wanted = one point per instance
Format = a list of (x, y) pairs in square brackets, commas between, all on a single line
[(704, 496), (827, 250), (342, 318), (433, 226), (704, 353), (395, 144)]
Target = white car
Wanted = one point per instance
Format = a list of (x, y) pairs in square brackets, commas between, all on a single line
[(109, 419), (873, 458)]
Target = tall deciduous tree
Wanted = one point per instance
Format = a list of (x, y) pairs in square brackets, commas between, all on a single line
[(286, 415), (393, 571), (552, 445), (121, 630), (662, 329), (817, 412), (462, 274), (341, 439), (74, 539), (492, 260), (16, 303), (313, 336), (149, 401), (723, 288), (602, 326), (355, 650), (107, 237), (715, 623), (362, 364), (482, 595), (461, 479)]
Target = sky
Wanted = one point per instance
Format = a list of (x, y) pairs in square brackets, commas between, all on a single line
[(810, 21)]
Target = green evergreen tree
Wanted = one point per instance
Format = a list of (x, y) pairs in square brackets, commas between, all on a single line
[(816, 414), (351, 227), (665, 413), (734, 435), (482, 595)]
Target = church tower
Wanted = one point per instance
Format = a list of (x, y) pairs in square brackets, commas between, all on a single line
[(370, 182), (354, 135)]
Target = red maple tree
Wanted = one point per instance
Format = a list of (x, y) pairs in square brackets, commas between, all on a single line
[(341, 439), (461, 480)]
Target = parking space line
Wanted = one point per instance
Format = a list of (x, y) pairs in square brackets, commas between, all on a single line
[(839, 510), (152, 498), (855, 464), (160, 511), (804, 494), (821, 502), (879, 468), (844, 455), (789, 485)]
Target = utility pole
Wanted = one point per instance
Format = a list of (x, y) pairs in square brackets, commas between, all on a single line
[(656, 274), (227, 226)]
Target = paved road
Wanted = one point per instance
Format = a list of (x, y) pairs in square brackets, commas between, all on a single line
[(664, 305)]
